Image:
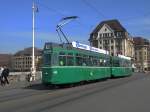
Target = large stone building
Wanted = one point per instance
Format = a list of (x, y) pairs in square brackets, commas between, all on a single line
[(112, 36), (142, 54), (22, 60)]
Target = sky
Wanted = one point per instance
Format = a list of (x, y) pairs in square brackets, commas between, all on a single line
[(16, 20)]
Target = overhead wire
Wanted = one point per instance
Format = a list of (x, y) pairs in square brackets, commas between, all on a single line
[(51, 9), (87, 3), (135, 17), (62, 14)]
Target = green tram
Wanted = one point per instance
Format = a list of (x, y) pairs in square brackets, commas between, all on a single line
[(76, 62)]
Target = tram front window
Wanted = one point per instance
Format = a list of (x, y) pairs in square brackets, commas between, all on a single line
[(47, 59)]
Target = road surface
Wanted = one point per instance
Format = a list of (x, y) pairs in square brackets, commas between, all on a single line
[(129, 94)]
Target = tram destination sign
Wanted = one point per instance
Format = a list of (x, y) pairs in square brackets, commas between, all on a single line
[(78, 45)]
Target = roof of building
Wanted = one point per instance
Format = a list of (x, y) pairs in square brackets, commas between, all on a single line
[(113, 24), (28, 52), (141, 41), (5, 59)]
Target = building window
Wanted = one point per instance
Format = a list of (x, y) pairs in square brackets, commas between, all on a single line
[(100, 35), (105, 41), (145, 57), (107, 34), (95, 43), (120, 47), (103, 34), (111, 34), (112, 47), (100, 42), (117, 34), (140, 57), (112, 41)]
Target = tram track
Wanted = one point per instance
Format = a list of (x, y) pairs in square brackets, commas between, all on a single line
[(68, 98), (24, 91), (20, 95), (52, 99)]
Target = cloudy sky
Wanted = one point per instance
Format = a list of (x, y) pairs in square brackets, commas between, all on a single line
[(16, 20)]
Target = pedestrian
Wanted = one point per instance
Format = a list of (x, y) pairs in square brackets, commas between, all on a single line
[(1, 79), (28, 77), (5, 74)]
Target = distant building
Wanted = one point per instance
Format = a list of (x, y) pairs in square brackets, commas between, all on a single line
[(22, 60), (142, 53), (5, 60), (112, 36)]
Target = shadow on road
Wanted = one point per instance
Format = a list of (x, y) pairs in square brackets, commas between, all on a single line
[(36, 87), (40, 86)]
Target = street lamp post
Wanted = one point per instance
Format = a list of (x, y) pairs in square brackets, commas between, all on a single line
[(33, 70)]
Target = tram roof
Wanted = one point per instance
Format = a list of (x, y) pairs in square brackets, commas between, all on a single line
[(50, 45), (75, 46)]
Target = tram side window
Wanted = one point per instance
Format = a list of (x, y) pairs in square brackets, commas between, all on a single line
[(79, 60), (85, 60), (121, 63), (62, 59), (116, 63), (54, 59), (47, 59), (95, 62), (90, 61), (70, 59), (101, 62), (97, 59), (127, 63), (107, 63), (124, 63)]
